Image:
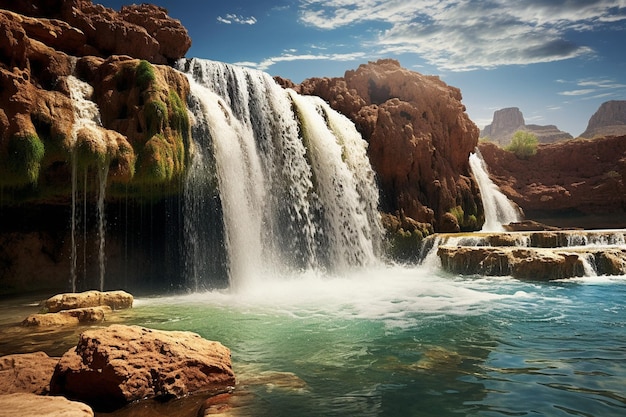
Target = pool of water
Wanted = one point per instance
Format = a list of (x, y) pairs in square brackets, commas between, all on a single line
[(398, 341)]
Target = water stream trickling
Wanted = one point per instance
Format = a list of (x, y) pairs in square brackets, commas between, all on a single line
[(499, 210), (86, 116)]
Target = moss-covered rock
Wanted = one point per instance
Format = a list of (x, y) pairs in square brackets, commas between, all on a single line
[(23, 157)]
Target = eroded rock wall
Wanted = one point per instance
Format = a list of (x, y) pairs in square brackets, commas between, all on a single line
[(579, 177)]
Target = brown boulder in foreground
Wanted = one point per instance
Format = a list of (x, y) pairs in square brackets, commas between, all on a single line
[(26, 373), (120, 364), (38, 406)]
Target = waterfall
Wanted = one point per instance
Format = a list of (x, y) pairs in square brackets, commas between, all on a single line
[(86, 116), (499, 210), (291, 177)]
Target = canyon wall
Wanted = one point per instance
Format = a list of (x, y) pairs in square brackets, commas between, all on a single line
[(577, 179)]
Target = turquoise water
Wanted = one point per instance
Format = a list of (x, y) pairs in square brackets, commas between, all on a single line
[(412, 342)]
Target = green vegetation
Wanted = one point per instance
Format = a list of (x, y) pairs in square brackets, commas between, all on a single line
[(523, 145), (24, 155), (156, 117), (144, 74), (179, 119)]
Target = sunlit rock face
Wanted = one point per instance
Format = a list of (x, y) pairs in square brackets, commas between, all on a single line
[(509, 120), (119, 364), (419, 139), (577, 177), (610, 119)]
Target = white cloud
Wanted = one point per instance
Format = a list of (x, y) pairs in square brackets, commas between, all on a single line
[(287, 57), (604, 87), (582, 92), (238, 19), (463, 35)]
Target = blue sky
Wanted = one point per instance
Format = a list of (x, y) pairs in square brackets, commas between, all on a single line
[(557, 60)]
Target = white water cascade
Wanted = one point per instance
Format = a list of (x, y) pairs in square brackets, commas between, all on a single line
[(292, 177), (499, 210), (86, 116)]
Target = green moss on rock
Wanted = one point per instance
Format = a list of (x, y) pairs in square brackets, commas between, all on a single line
[(24, 155)]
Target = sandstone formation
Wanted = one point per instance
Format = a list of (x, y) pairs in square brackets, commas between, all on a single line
[(87, 315), (26, 373), (609, 120), (80, 28), (537, 264), (509, 120), (578, 178), (120, 364), (543, 256), (116, 300), (419, 140), (22, 404), (79, 308), (50, 53)]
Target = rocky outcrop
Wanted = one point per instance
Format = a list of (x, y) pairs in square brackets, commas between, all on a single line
[(539, 256), (583, 177), (116, 300), (120, 364), (51, 53), (26, 373), (509, 120), (88, 307), (81, 28), (87, 315), (609, 120), (419, 140), (22, 404)]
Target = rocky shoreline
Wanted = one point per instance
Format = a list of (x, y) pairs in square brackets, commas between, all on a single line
[(112, 365)]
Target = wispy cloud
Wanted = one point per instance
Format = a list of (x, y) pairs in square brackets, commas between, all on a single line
[(582, 92), (465, 35), (290, 56), (236, 19), (592, 88)]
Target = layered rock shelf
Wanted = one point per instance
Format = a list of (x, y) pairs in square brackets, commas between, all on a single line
[(540, 256)]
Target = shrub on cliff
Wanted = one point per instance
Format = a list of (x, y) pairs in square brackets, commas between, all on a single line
[(523, 144)]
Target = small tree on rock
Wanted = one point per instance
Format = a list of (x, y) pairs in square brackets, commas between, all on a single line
[(524, 144)]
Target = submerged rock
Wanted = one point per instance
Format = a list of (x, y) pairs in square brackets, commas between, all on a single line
[(120, 364), (69, 317), (32, 405)]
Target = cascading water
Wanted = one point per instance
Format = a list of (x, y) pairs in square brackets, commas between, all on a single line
[(292, 176), (86, 116), (499, 210)]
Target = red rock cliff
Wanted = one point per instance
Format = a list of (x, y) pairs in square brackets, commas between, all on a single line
[(419, 139), (584, 177)]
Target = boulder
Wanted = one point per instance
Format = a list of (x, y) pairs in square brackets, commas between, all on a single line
[(32, 405), (120, 364), (116, 300), (26, 373), (87, 315), (419, 136)]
